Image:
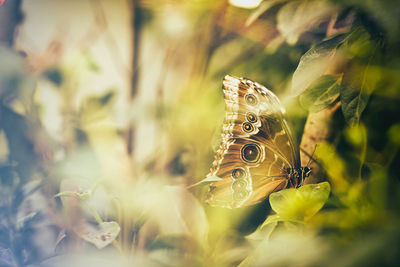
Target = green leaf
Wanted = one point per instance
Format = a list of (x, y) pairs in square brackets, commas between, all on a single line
[(299, 204), (358, 43), (101, 235), (315, 62), (263, 232), (362, 76), (358, 84), (321, 93)]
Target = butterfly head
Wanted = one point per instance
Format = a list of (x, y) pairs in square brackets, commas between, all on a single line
[(300, 176)]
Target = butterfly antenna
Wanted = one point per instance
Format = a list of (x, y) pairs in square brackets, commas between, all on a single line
[(311, 157)]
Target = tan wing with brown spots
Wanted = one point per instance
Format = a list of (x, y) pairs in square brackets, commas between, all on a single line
[(256, 147)]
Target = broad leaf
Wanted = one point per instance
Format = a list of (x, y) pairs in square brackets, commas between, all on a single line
[(358, 84), (361, 77), (315, 63), (321, 93), (299, 204)]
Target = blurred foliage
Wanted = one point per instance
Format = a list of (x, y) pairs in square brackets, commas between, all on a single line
[(73, 194)]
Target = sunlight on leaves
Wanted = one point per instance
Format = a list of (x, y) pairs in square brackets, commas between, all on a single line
[(112, 110)]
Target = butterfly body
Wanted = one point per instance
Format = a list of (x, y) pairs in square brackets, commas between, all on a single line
[(257, 155)]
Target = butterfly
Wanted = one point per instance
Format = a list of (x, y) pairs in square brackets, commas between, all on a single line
[(257, 155)]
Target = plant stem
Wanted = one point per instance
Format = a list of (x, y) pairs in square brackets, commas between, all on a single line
[(318, 129)]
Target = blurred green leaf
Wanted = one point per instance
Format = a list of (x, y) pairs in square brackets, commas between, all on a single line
[(385, 13), (299, 204), (263, 232), (297, 17), (264, 7), (288, 248), (378, 185), (334, 166), (394, 134), (356, 135), (171, 209), (321, 93), (180, 213)]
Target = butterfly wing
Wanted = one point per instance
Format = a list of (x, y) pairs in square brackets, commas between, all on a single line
[(256, 147)]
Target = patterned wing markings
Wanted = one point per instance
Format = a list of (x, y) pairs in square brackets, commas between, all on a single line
[(266, 106), (265, 175), (257, 153)]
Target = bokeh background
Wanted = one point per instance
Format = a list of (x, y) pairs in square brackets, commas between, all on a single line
[(110, 110)]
